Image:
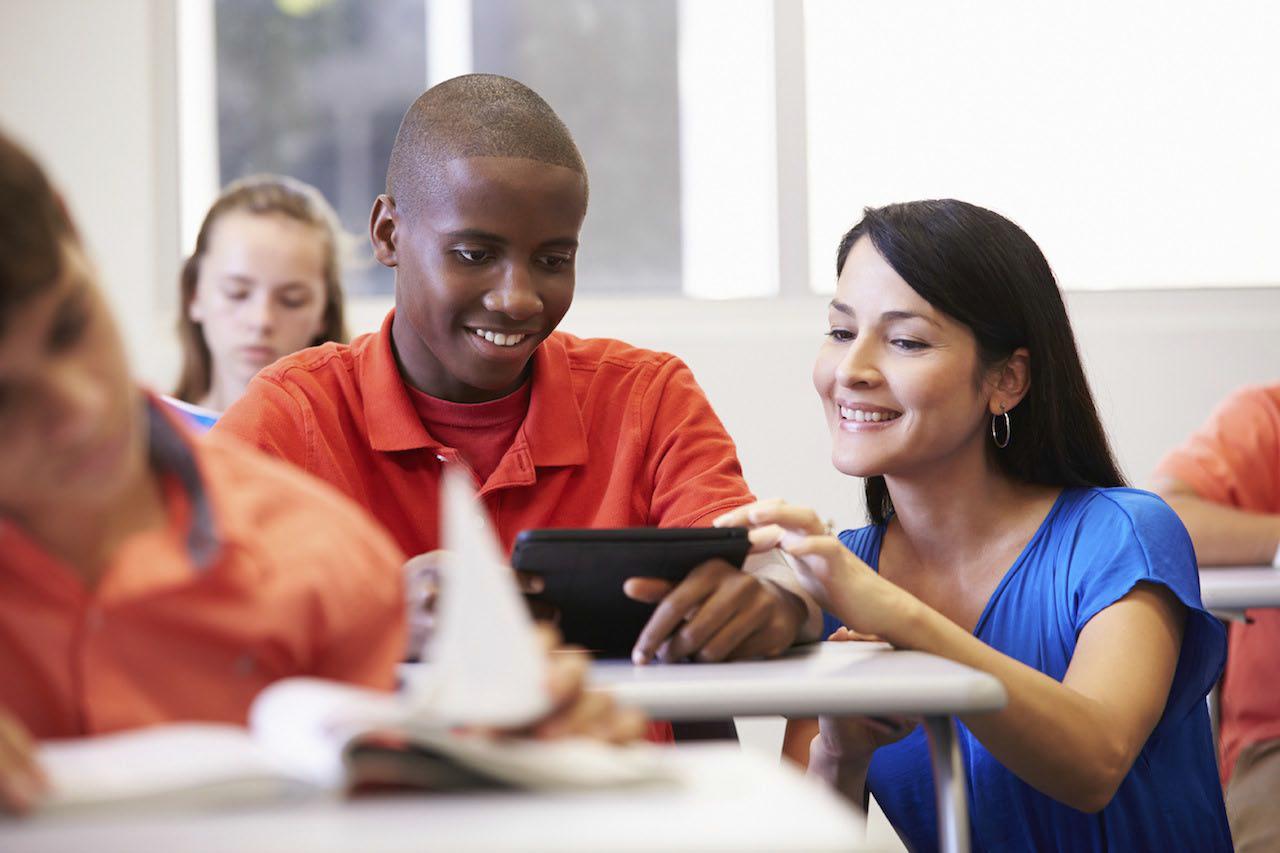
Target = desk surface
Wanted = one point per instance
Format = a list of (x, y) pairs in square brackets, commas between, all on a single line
[(1240, 587), (824, 678), (730, 800)]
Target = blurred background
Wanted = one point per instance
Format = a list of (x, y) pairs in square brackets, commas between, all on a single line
[(730, 143)]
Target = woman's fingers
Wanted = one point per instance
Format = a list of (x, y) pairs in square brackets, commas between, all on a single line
[(796, 518)]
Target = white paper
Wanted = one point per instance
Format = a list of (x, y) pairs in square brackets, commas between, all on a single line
[(488, 666)]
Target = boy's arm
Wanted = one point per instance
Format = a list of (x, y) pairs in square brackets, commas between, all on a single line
[(268, 418), (1224, 482), (717, 612), (1223, 535)]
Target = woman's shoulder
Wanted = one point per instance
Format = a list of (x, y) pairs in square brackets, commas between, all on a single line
[(1106, 509), (864, 542)]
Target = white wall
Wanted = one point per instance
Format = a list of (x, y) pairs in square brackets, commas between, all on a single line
[(89, 86)]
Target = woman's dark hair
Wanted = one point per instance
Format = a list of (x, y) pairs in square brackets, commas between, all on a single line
[(263, 195), (981, 270)]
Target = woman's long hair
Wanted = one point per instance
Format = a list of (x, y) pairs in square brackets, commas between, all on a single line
[(982, 270), (260, 195)]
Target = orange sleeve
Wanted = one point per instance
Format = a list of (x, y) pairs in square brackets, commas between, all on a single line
[(361, 604), (690, 459), (1234, 458), (269, 418)]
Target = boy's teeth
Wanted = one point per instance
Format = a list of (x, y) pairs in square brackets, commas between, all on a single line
[(499, 338)]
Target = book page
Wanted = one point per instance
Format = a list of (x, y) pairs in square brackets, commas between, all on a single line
[(488, 667), (171, 765)]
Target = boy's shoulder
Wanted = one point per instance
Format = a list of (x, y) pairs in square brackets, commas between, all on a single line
[(592, 353), (257, 497), (318, 360)]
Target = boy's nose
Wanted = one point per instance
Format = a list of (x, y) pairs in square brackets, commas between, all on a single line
[(515, 297), (77, 401)]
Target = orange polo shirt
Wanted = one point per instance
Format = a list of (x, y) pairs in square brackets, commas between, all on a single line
[(615, 436), (261, 573), (1234, 459)]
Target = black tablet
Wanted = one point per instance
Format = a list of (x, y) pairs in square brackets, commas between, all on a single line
[(583, 572)]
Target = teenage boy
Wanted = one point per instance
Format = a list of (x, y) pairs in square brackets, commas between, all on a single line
[(486, 194), (147, 577), (1225, 484)]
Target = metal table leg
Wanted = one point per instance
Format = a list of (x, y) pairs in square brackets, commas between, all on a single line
[(948, 784)]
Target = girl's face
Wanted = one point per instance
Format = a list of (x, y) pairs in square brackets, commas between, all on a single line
[(260, 293), (900, 381)]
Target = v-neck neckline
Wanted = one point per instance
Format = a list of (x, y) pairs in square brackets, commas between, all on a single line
[(1009, 572)]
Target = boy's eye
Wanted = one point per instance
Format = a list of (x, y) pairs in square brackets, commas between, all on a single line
[(471, 256), (843, 336), (68, 329), (556, 262)]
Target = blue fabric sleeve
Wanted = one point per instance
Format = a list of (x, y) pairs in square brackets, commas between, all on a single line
[(1127, 537)]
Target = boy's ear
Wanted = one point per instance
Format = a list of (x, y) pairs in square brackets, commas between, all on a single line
[(1012, 382), (383, 221)]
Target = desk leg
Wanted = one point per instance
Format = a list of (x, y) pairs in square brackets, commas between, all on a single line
[(949, 785)]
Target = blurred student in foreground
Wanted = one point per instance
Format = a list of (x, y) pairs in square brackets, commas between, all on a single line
[(147, 577), (1002, 537), (1225, 484), (264, 281)]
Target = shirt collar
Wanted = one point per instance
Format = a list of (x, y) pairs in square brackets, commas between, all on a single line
[(170, 452), (553, 428)]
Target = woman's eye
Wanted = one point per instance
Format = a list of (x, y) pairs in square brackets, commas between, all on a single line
[(471, 256), (841, 335), (236, 295), (908, 344)]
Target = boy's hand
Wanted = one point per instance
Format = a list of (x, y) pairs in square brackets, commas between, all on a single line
[(577, 712), (716, 613), (422, 587), (22, 783)]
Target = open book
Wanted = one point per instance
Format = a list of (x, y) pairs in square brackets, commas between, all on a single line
[(309, 736)]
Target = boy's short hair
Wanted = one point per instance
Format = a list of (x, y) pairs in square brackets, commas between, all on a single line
[(33, 226), (475, 115)]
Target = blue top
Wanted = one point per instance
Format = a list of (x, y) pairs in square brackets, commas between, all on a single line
[(1093, 547), (197, 417)]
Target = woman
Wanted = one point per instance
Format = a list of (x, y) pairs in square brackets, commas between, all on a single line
[(1002, 538), (264, 281)]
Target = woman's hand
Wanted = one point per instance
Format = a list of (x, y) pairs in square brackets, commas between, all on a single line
[(840, 582), (22, 783)]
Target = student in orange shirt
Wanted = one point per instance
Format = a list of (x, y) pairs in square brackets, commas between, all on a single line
[(1225, 484), (146, 577), (486, 194)]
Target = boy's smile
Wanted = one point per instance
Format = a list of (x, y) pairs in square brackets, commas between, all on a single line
[(484, 272)]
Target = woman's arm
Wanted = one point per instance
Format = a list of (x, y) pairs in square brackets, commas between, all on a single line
[(1223, 535), (1073, 740)]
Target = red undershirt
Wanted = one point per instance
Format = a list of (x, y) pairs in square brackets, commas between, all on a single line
[(481, 432)]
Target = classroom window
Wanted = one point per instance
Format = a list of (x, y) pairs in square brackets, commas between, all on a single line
[(669, 100)]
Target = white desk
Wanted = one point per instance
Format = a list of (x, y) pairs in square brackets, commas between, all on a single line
[(1230, 591), (731, 800), (827, 678)]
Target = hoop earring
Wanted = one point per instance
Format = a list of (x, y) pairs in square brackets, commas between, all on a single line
[(1008, 429)]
